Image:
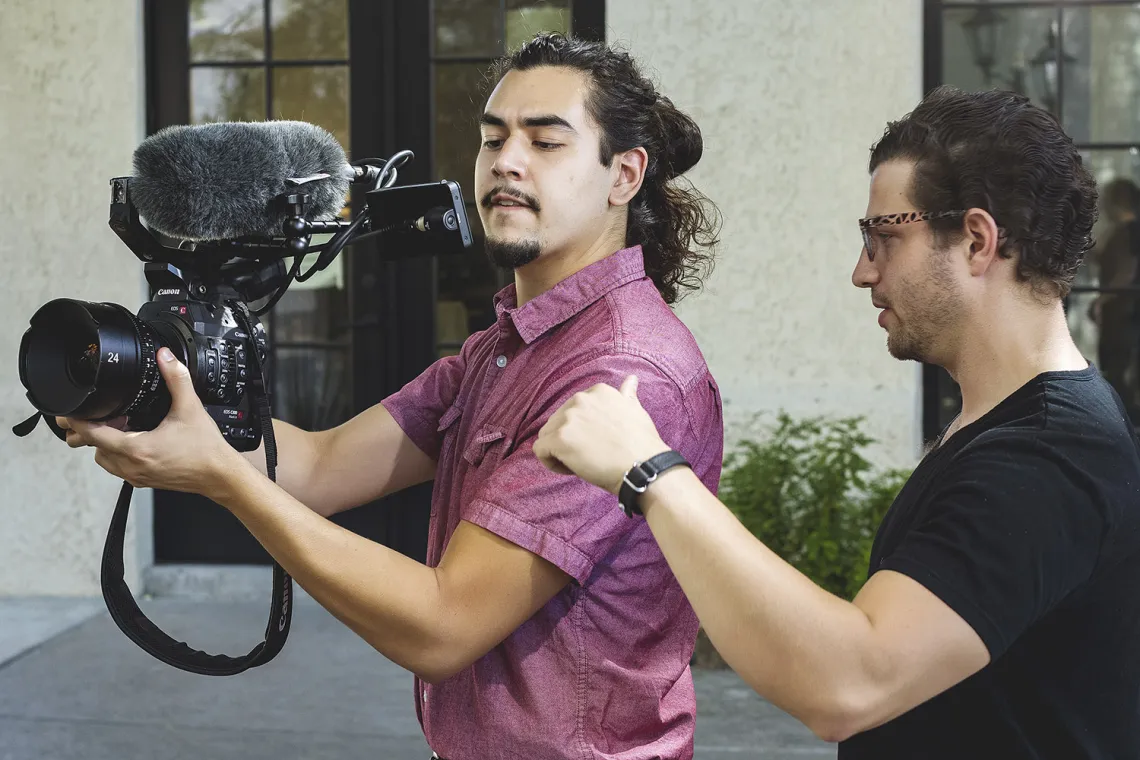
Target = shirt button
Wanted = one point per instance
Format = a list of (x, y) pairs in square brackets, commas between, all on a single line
[(501, 361), (425, 696)]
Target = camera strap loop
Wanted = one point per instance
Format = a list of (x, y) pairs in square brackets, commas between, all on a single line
[(139, 629), (28, 425)]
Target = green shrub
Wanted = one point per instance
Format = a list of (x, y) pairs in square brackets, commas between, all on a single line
[(807, 491)]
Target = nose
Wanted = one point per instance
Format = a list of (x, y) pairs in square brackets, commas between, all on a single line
[(866, 272), (510, 161)]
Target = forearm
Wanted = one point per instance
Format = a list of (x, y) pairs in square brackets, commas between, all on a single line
[(354, 463), (389, 600), (297, 453), (807, 651)]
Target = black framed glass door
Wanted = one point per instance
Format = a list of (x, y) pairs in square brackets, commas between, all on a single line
[(382, 76), (1081, 61)]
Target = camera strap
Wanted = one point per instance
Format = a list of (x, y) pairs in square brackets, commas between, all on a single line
[(138, 627)]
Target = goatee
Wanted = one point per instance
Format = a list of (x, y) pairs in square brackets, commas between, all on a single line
[(512, 254)]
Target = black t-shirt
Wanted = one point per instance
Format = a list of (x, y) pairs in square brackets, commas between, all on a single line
[(1027, 524)]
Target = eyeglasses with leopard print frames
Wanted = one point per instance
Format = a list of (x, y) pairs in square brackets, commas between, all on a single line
[(866, 226)]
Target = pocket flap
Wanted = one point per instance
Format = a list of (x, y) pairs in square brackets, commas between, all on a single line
[(449, 417)]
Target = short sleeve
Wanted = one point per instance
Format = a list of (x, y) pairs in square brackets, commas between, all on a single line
[(1014, 529), (561, 518), (419, 405)]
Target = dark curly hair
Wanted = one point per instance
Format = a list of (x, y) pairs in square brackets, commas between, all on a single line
[(671, 221), (996, 151)]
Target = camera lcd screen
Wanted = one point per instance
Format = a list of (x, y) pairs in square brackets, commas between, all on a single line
[(438, 205)]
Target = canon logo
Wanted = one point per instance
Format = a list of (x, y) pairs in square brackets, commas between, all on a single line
[(169, 291), (284, 611)]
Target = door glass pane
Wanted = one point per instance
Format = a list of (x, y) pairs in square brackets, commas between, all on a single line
[(227, 94), (526, 18), (1106, 324), (316, 94), (1102, 311), (308, 328), (1009, 47), (309, 29), (467, 28), (1102, 73), (227, 30), (311, 387), (459, 100)]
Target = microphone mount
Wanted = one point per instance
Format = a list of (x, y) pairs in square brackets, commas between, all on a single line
[(255, 265)]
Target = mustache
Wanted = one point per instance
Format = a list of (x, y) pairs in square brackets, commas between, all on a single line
[(517, 195)]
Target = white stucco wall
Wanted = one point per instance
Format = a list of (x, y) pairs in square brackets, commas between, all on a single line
[(790, 96), (71, 114)]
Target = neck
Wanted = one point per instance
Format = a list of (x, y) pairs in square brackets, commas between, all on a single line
[(1004, 351), (552, 267)]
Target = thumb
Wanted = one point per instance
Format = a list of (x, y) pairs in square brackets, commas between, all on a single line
[(629, 387), (177, 378)]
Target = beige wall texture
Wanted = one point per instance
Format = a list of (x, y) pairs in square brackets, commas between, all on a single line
[(790, 96), (71, 114)]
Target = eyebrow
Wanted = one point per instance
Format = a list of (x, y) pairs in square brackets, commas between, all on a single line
[(530, 122)]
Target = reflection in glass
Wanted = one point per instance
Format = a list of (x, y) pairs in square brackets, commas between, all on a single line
[(467, 28), (459, 100), (1102, 312), (1105, 329), (316, 94), (312, 387), (227, 30), (525, 19), (227, 94), (309, 29), (1010, 48), (1103, 80)]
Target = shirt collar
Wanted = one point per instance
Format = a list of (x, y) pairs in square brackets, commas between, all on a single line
[(572, 295)]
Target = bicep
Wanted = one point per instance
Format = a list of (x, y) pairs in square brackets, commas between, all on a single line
[(488, 587), (920, 646)]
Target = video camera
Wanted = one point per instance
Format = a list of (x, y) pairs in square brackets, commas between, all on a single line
[(273, 186)]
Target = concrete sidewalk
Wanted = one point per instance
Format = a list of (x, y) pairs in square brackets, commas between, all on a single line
[(73, 686)]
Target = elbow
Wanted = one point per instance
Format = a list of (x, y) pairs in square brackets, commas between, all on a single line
[(435, 659), (436, 667), (831, 728), (840, 718)]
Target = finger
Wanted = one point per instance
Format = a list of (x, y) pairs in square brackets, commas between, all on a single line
[(547, 458), (177, 377), (629, 387), (99, 435)]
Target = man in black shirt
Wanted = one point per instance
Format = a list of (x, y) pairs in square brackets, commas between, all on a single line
[(1001, 618)]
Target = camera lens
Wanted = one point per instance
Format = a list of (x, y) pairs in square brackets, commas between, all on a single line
[(82, 363), (87, 360)]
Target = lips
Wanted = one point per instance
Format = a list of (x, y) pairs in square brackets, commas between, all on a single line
[(509, 201)]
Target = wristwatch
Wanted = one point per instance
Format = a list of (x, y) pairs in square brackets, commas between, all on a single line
[(637, 480)]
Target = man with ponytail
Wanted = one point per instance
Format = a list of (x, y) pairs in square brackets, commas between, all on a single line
[(545, 622), (581, 635)]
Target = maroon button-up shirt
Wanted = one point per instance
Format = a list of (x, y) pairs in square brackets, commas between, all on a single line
[(602, 671)]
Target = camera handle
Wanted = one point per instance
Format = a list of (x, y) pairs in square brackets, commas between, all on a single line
[(138, 627)]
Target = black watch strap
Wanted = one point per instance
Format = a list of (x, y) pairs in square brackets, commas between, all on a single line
[(637, 480)]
